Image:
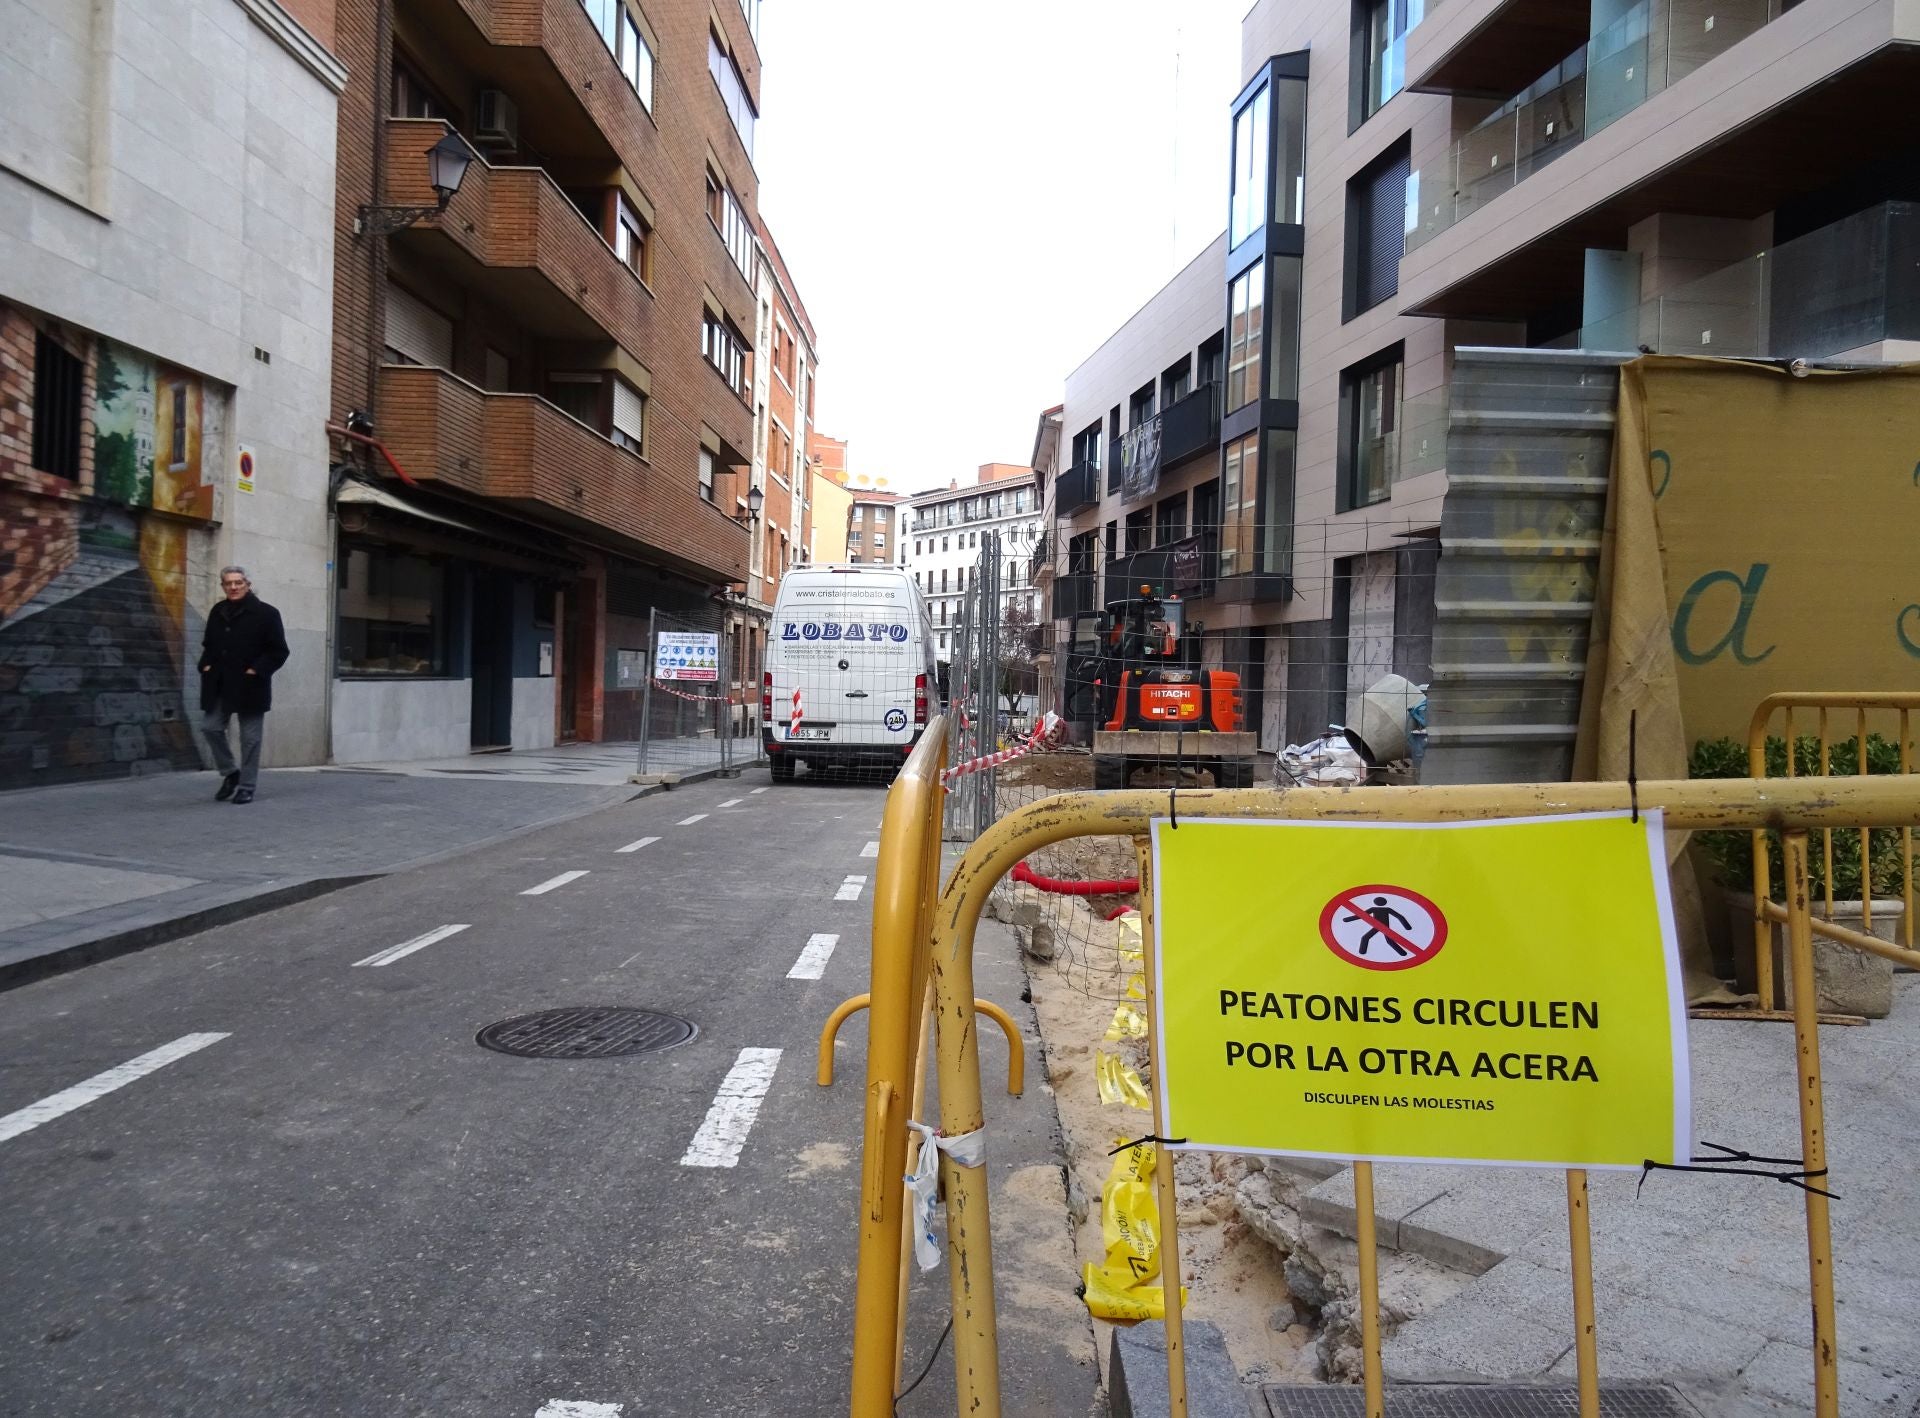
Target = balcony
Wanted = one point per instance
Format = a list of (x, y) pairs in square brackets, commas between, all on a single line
[(1835, 291), (1190, 425), (1489, 48), (1499, 228), (519, 450), (1078, 488), (513, 233), (1040, 563)]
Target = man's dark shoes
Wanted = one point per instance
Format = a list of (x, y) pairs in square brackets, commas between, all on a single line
[(243, 795), (227, 785)]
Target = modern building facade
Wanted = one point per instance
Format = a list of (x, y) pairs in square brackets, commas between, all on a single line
[(544, 379), (166, 253), (1408, 178), (942, 544)]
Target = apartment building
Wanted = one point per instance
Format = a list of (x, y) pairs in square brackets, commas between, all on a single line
[(1408, 178), (780, 517), (543, 360), (943, 543), (873, 528), (166, 248)]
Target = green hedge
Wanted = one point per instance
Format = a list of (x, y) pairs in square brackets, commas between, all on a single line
[(1732, 852)]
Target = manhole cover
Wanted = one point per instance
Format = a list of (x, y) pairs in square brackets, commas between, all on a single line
[(586, 1032)]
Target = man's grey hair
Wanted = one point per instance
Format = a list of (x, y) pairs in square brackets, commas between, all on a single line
[(239, 571)]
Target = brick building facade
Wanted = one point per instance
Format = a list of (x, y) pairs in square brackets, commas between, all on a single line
[(560, 362)]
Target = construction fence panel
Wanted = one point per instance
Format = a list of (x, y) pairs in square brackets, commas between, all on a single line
[(692, 718)]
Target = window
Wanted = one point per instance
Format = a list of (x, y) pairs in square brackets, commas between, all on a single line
[(730, 219), (1170, 519), (1369, 429), (1213, 359), (620, 31), (751, 9), (412, 98), (943, 578), (1176, 382), (1140, 406), (1238, 490), (1376, 229), (853, 537), (1247, 207), (879, 539), (1139, 530), (1245, 314), (1379, 55), (1276, 498), (58, 374), (632, 238), (706, 474), (629, 416), (723, 348), (1289, 151), (943, 543), (1283, 354), (733, 90), (393, 612), (1086, 446), (416, 332)]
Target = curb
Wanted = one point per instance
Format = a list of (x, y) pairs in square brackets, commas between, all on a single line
[(65, 959)]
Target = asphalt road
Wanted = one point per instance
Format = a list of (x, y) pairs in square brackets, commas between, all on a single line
[(321, 1197)]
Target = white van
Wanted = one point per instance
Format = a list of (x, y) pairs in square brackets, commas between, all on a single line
[(856, 644)]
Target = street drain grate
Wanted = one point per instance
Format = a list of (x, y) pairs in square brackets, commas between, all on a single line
[(1617, 1400), (586, 1032)]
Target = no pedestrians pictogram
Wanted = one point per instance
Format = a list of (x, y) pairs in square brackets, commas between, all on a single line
[(1383, 927)]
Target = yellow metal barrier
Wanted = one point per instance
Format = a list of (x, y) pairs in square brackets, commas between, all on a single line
[(1793, 807), (1765, 911), (846, 1009)]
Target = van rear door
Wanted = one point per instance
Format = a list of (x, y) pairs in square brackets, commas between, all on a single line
[(850, 641)]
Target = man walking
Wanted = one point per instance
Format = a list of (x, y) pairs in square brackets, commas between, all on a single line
[(245, 644)]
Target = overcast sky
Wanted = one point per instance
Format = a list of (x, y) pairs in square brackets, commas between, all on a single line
[(972, 197)]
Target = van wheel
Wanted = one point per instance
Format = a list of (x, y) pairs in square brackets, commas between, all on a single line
[(1109, 773), (782, 769)]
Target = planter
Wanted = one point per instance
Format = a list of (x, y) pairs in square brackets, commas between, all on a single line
[(1847, 981)]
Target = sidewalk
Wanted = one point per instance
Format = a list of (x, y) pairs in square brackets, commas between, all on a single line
[(92, 870)]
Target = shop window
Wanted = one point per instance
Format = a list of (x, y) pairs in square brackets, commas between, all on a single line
[(393, 613)]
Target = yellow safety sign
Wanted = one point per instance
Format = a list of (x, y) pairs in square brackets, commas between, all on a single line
[(1501, 992)]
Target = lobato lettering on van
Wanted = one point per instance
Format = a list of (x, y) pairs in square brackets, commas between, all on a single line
[(898, 632), (854, 632), (790, 631), (810, 631), (830, 631)]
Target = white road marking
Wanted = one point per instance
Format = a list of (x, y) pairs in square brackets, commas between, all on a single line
[(574, 1408), (631, 958), (636, 846), (812, 963), (756, 790), (733, 802), (689, 821), (101, 1084), (735, 1106), (406, 948), (850, 889), (561, 880), (872, 849)]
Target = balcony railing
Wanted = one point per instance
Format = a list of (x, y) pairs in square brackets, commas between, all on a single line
[(1078, 488), (521, 450), (1845, 286), (1038, 562), (1190, 425), (1648, 49)]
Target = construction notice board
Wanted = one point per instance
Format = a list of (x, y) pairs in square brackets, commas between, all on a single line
[(688, 655), (1499, 992)]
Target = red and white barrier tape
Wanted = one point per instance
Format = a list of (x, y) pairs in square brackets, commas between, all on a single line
[(666, 688), (1046, 734)]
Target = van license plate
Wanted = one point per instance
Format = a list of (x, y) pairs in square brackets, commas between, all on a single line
[(806, 733)]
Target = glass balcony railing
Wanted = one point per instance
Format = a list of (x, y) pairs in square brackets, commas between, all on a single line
[(1422, 441), (1838, 289), (1646, 50)]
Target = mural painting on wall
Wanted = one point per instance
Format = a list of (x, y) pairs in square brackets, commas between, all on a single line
[(92, 671)]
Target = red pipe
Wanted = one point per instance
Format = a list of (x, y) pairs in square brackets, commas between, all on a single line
[(1117, 912), (1023, 872), (338, 431)]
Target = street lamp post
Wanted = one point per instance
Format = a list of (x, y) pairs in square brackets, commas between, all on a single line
[(447, 164)]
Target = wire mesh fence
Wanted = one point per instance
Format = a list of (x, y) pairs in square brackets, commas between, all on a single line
[(696, 708)]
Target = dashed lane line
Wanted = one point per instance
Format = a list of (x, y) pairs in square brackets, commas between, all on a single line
[(575, 1408), (756, 790), (636, 846), (689, 821), (735, 1106), (850, 889), (733, 802), (812, 963), (561, 880), (406, 948), (872, 849), (67, 1099)]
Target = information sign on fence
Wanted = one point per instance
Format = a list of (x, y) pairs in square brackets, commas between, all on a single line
[(1498, 992), (688, 655)]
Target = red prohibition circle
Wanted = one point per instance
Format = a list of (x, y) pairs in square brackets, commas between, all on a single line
[(1349, 900)]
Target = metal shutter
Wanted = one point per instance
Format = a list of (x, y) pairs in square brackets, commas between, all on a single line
[(628, 409), (1383, 232), (418, 331)]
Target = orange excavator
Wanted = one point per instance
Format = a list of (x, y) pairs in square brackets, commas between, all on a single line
[(1156, 706)]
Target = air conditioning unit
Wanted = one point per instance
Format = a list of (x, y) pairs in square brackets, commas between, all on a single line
[(499, 120)]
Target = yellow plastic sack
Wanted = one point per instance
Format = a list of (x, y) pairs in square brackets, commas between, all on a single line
[(1136, 986), (1116, 1290), (1127, 935), (1120, 1082), (1128, 1023)]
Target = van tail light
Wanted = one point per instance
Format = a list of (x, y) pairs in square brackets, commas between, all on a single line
[(766, 697), (920, 700)]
